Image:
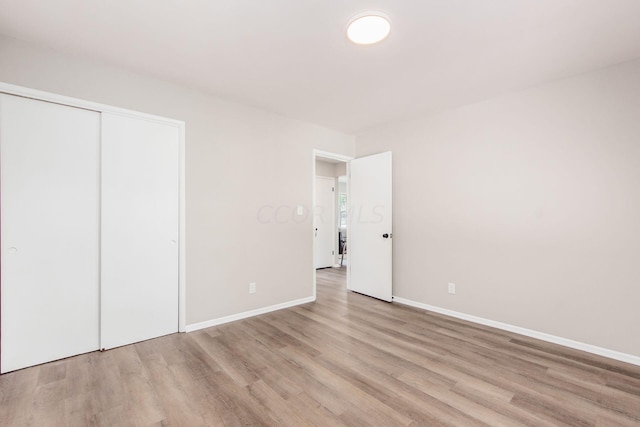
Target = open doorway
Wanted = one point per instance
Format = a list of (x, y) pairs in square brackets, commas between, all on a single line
[(330, 205), (369, 201)]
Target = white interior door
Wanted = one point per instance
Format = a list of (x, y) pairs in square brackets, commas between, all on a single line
[(140, 227), (370, 222), (325, 221), (49, 231)]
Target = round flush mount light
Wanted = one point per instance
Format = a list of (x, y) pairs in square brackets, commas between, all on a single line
[(368, 28)]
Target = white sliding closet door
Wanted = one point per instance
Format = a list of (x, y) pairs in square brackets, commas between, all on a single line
[(49, 231), (140, 228)]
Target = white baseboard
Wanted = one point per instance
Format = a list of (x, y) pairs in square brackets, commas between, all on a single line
[(612, 354), (246, 314)]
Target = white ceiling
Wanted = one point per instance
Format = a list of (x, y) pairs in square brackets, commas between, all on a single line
[(292, 56)]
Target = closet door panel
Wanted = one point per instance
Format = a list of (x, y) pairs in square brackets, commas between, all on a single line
[(49, 164), (140, 226)]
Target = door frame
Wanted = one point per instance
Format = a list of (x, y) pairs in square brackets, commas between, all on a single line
[(319, 155), (24, 92)]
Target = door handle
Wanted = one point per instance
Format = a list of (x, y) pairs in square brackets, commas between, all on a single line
[(386, 235)]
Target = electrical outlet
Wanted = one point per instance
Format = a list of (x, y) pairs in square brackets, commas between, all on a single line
[(252, 287), (452, 288)]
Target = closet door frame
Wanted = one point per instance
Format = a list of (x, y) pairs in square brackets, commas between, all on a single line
[(102, 108)]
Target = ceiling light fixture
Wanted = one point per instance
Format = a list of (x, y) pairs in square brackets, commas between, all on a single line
[(368, 28)]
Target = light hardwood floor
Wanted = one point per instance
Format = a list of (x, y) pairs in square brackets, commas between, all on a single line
[(345, 360)]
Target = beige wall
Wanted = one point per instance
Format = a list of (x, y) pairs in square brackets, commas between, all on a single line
[(325, 169), (231, 157), (529, 203), (330, 169), (340, 169)]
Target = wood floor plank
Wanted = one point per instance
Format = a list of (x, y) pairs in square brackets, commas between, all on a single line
[(169, 389), (344, 360)]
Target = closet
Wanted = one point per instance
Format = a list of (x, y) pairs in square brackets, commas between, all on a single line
[(90, 229)]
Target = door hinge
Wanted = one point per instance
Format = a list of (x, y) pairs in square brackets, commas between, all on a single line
[(333, 252), (333, 189)]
